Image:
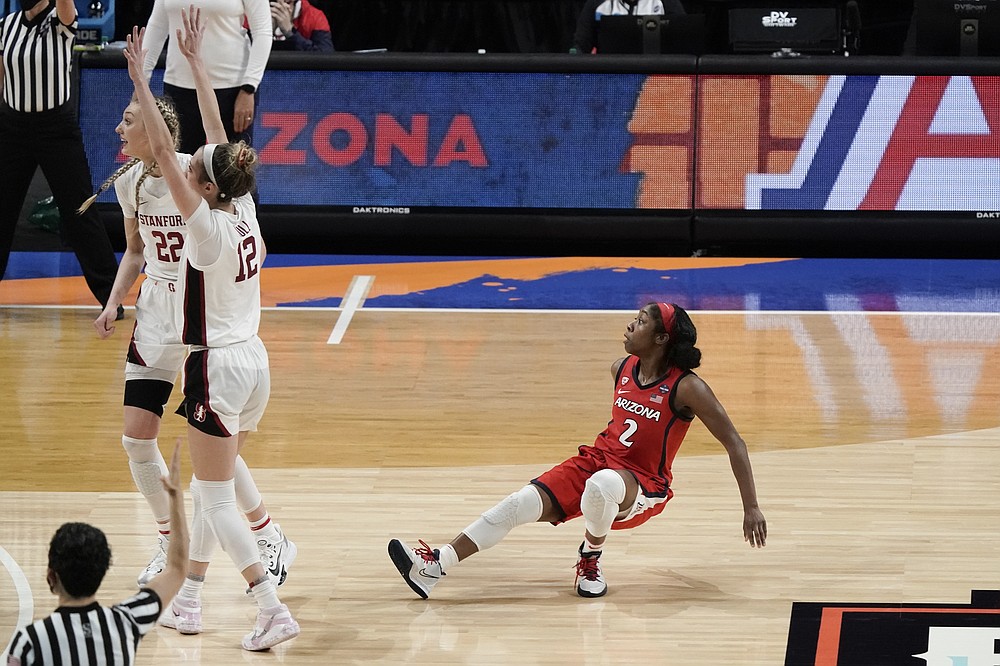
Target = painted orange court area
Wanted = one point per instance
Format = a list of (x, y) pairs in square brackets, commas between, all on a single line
[(307, 283)]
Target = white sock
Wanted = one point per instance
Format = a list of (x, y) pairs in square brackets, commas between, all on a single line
[(265, 594), (191, 589), (447, 557), (264, 527)]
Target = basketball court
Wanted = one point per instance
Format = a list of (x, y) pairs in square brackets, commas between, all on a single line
[(412, 393)]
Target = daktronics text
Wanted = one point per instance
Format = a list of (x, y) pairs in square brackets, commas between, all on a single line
[(342, 139)]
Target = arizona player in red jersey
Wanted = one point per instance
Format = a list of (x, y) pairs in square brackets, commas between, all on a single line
[(623, 479)]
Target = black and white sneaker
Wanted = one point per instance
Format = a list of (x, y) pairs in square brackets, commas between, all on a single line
[(419, 567), (277, 556)]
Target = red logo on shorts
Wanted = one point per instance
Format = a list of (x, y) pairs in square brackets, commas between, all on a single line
[(199, 413)]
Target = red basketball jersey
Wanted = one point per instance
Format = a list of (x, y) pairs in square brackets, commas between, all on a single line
[(645, 430)]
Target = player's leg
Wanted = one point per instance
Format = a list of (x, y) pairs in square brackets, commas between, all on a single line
[(608, 493), (277, 551), (423, 567), (240, 382), (146, 392)]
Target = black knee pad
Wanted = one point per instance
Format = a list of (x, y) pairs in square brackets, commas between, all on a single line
[(148, 394)]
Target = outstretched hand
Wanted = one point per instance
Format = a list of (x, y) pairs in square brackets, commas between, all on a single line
[(189, 41), (135, 54)]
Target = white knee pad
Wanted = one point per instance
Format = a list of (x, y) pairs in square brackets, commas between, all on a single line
[(218, 500), (203, 541), (247, 496), (519, 508), (601, 500), (146, 463), (147, 466)]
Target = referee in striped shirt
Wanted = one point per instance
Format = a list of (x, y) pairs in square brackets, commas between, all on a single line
[(81, 631), (39, 127)]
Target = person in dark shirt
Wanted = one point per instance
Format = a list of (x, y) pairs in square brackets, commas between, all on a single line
[(585, 38), (299, 26)]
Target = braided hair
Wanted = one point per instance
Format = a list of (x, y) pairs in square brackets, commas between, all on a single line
[(169, 113)]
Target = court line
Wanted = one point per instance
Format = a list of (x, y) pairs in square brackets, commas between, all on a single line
[(355, 297), (309, 308), (25, 601)]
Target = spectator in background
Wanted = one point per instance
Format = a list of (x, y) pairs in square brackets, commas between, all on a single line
[(299, 26), (585, 38), (235, 64)]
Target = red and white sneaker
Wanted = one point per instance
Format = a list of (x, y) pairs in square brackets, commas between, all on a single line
[(589, 577)]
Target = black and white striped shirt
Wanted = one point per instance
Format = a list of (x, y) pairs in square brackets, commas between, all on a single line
[(89, 635), (37, 59)]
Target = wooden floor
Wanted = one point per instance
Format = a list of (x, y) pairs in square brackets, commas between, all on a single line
[(873, 438)]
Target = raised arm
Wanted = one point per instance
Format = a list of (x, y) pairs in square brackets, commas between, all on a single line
[(189, 44), (66, 11), (168, 582), (162, 144), (695, 395)]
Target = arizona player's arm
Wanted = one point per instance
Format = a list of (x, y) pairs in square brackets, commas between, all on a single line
[(695, 396), (616, 366), (189, 44)]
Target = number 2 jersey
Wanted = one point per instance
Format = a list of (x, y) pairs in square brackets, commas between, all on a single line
[(220, 276), (645, 430), (161, 226)]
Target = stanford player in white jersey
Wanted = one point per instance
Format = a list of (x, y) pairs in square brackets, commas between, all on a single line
[(622, 479), (155, 232), (226, 378)]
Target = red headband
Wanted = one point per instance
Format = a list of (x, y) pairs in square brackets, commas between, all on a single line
[(667, 315)]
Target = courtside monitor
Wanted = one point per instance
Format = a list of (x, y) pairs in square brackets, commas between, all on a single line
[(651, 34), (764, 28), (957, 27)]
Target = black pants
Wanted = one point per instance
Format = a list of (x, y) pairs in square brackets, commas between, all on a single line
[(52, 140), (192, 128)]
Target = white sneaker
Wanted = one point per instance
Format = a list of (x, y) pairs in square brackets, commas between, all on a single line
[(277, 557), (157, 564), (183, 615), (589, 577), (419, 567), (274, 625)]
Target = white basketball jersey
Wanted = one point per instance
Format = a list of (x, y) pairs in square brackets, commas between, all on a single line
[(160, 224), (220, 302)]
